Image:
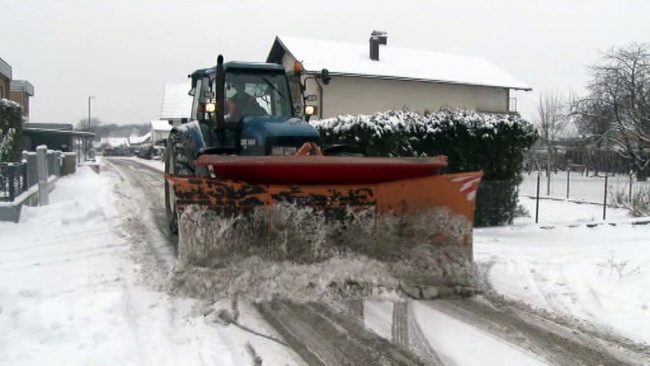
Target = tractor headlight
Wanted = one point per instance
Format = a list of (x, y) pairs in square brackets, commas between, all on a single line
[(210, 107), (310, 110), (283, 150)]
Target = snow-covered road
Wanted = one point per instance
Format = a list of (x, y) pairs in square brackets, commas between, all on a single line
[(72, 291), (85, 281)]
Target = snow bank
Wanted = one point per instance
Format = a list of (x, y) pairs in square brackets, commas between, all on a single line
[(70, 292), (598, 275)]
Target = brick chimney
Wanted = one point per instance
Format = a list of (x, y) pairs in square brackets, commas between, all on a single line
[(377, 38)]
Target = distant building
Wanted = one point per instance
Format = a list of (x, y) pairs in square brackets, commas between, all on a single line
[(21, 91), (176, 103), (372, 77), (115, 141), (57, 136), (17, 90), (160, 130), (140, 140), (5, 79)]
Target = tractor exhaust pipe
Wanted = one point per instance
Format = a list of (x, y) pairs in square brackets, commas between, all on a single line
[(220, 94)]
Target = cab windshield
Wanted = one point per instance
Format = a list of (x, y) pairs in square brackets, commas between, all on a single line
[(256, 94)]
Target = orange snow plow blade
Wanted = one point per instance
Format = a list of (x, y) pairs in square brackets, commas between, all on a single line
[(401, 212)]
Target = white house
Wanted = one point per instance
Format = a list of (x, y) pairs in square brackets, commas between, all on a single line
[(159, 130), (176, 103), (371, 77)]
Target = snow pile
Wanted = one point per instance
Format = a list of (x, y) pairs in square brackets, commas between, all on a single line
[(315, 255), (598, 276), (56, 267), (255, 279), (69, 291)]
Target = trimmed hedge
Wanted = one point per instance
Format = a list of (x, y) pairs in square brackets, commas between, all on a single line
[(493, 143), (11, 127)]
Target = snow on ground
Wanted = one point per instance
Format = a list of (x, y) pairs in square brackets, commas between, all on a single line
[(598, 275), (581, 187), (377, 316), (70, 295), (452, 343), (555, 212), (158, 165)]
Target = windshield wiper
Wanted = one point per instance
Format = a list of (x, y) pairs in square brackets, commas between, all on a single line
[(272, 86)]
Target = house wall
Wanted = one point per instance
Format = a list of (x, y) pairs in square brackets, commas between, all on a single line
[(358, 95), (21, 98), (4, 87), (355, 95)]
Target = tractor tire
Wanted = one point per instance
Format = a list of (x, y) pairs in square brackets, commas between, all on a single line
[(177, 162)]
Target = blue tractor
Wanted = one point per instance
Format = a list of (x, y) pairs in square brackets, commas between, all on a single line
[(239, 108)]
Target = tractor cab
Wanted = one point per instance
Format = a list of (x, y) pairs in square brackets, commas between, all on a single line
[(247, 109)]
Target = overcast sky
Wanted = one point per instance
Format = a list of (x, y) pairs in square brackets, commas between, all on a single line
[(124, 51)]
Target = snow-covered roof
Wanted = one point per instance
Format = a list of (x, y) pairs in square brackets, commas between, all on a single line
[(159, 125), (176, 102), (352, 59), (115, 141), (135, 140), (22, 86), (5, 69)]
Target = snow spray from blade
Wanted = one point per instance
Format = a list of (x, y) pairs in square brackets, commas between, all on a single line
[(304, 254)]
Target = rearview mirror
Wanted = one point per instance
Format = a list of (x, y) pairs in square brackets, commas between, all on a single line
[(325, 76)]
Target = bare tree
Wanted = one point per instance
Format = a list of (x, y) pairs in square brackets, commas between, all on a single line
[(83, 124), (617, 108), (551, 123)]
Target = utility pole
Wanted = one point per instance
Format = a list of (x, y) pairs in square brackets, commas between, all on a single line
[(89, 115)]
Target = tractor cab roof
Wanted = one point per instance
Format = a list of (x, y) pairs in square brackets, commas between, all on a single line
[(240, 66)]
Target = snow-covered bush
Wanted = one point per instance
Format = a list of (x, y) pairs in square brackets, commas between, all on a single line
[(639, 205), (493, 143), (10, 130)]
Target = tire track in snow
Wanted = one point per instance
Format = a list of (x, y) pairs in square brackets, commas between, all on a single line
[(322, 337), (556, 344)]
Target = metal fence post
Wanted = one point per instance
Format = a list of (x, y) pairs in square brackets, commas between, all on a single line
[(568, 180), (23, 166), (605, 199), (537, 200), (630, 190), (41, 161), (11, 176)]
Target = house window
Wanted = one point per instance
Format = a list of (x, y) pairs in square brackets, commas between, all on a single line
[(2, 91)]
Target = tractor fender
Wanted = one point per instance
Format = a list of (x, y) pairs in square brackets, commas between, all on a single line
[(192, 136)]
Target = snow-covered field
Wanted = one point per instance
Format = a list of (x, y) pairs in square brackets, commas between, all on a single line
[(70, 293), (581, 188)]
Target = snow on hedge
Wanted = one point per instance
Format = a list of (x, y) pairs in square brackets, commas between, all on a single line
[(10, 129), (492, 143), (478, 124)]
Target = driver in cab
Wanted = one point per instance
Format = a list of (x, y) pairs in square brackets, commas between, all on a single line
[(242, 104)]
